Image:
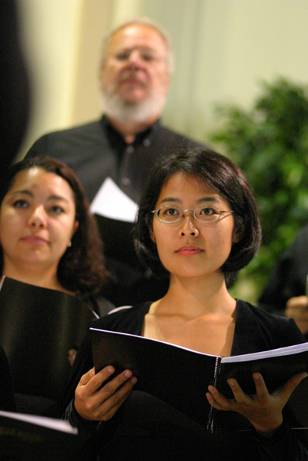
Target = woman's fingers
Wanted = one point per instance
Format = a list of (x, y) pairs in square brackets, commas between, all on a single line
[(110, 407), (261, 388), (290, 386), (238, 393), (263, 410), (240, 400), (96, 394), (93, 380), (86, 377), (218, 400)]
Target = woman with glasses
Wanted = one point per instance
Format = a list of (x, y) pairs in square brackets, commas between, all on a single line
[(197, 225)]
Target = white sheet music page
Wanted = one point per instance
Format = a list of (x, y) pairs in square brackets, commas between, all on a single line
[(111, 202), (44, 421)]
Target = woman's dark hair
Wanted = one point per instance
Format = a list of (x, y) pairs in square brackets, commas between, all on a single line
[(219, 173), (81, 269)]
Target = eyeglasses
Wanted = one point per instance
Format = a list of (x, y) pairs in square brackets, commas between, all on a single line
[(174, 215)]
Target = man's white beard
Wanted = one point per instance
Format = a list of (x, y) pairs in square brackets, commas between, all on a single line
[(137, 112)]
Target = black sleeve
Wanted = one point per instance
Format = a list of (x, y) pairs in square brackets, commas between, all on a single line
[(282, 446)]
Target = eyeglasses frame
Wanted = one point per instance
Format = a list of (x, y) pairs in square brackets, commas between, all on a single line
[(219, 215)]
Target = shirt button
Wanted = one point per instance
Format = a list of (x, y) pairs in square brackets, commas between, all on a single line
[(126, 181), (130, 149), (146, 142)]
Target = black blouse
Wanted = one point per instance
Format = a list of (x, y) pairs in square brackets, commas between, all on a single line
[(255, 330)]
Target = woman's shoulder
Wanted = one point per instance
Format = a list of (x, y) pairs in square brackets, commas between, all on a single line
[(276, 326), (253, 310)]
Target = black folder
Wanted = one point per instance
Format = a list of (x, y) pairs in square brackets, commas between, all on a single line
[(34, 438), (38, 326)]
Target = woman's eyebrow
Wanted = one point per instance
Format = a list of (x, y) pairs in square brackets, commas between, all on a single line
[(207, 199), (30, 194), (21, 191), (170, 199), (210, 198), (57, 197)]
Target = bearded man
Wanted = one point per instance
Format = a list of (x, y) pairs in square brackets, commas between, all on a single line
[(124, 144)]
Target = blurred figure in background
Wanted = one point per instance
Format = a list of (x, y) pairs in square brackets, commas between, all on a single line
[(287, 288), (123, 145), (14, 86), (14, 115)]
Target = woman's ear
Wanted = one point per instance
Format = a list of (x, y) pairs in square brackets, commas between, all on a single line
[(75, 227)]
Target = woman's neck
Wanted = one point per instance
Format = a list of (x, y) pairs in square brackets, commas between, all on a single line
[(198, 314), (46, 278), (196, 297)]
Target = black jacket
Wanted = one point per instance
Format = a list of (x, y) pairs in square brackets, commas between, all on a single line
[(96, 151)]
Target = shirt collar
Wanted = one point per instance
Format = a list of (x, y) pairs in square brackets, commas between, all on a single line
[(143, 137)]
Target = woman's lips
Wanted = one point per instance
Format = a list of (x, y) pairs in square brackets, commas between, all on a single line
[(189, 251), (34, 239)]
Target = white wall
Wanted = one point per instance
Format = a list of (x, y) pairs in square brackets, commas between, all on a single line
[(224, 48), (51, 32), (261, 40)]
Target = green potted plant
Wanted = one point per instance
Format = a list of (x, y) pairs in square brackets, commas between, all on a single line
[(270, 143)]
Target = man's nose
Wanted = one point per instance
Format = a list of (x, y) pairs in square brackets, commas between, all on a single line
[(135, 58)]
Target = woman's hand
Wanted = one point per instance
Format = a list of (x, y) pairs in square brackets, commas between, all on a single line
[(263, 410), (297, 309), (98, 400)]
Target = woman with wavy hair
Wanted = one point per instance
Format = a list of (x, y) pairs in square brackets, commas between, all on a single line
[(48, 239)]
